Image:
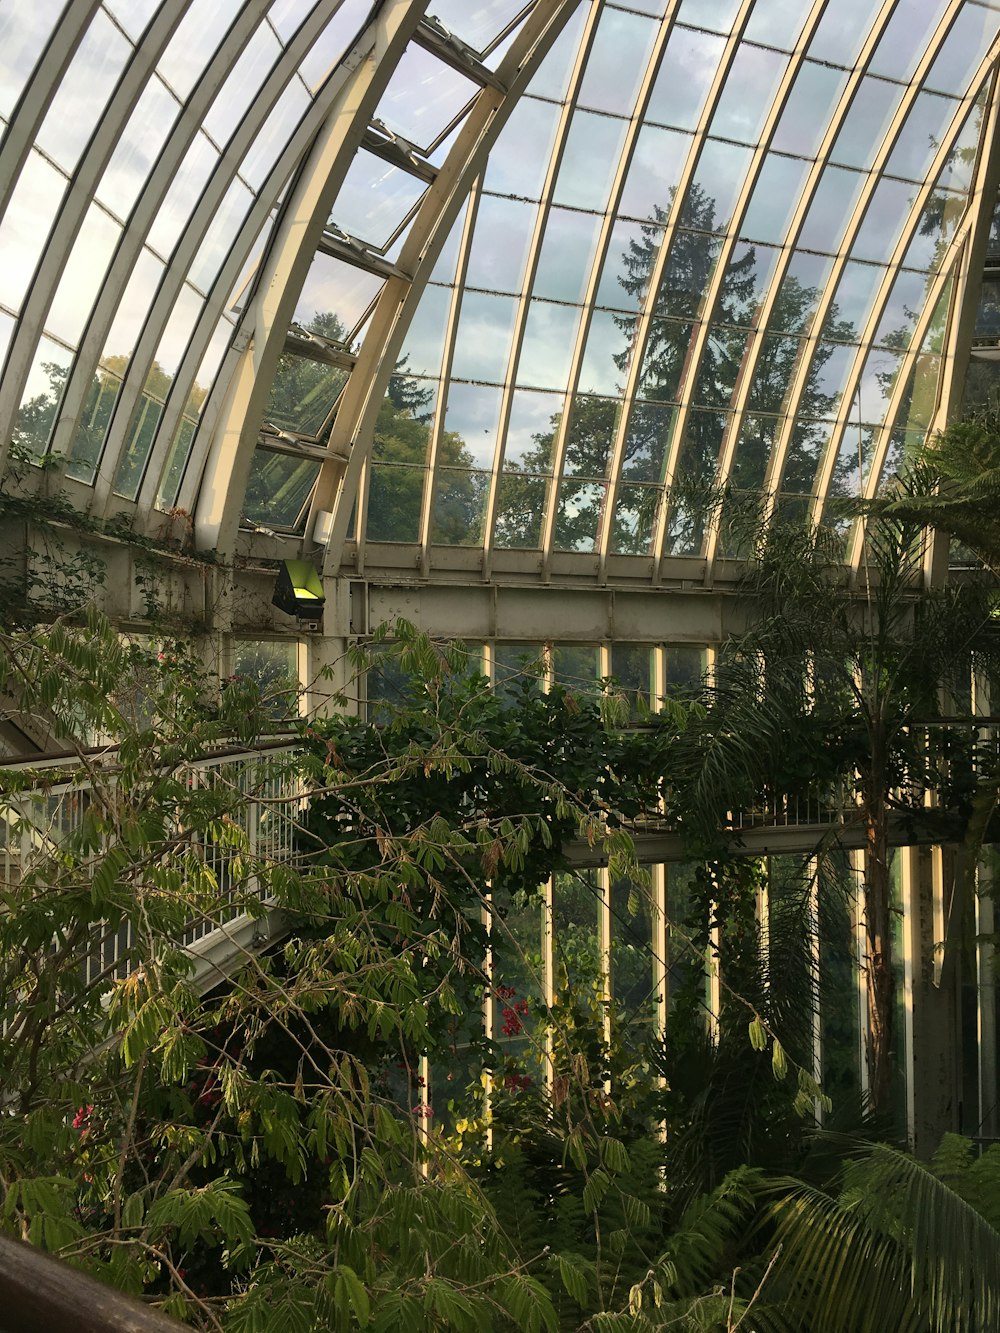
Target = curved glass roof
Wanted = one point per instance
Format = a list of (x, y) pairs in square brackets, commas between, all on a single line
[(502, 290)]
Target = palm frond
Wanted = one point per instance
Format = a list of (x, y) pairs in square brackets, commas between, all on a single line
[(899, 1248)]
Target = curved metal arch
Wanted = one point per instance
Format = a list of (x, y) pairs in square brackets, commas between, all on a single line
[(842, 420), (814, 333), (279, 76), (560, 444), (964, 264), (43, 84), (362, 397), (363, 77), (220, 290), (729, 242), (141, 219), (71, 215), (528, 280)]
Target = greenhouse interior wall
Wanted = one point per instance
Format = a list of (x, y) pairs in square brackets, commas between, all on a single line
[(475, 307)]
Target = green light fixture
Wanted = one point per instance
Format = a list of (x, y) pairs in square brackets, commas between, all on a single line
[(299, 592)]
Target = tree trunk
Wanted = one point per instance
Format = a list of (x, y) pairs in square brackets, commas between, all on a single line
[(878, 968)]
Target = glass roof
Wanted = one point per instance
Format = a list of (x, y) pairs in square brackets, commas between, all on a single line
[(499, 285)]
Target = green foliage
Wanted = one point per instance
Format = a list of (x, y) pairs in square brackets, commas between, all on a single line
[(895, 1248)]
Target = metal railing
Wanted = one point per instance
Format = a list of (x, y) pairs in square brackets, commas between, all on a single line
[(35, 824)]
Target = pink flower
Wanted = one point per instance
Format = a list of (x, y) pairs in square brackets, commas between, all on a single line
[(82, 1116)]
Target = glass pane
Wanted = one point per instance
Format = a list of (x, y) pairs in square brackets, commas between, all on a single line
[(685, 76), (753, 452), (476, 23), (920, 397), (88, 437), (722, 168), (778, 361), (864, 127), (575, 938), (686, 274), (423, 95), (745, 284), (159, 378), (719, 367), (405, 422), (42, 395), (748, 93), (906, 301), (905, 37), (424, 341), (26, 224), (856, 291), (814, 96), (878, 379), (690, 498), (607, 354), (884, 218), (132, 310), (577, 667), (394, 499), (831, 207), (303, 393), (335, 288), (471, 420), (654, 173), (632, 988), (964, 47), (83, 92), (24, 30), (632, 667), (634, 526), (581, 504), (137, 149), (185, 189), (591, 436), (716, 14), (628, 266), (567, 255), (234, 98), (220, 236), (84, 274), (504, 228), (593, 147), (649, 433), (775, 198), (482, 343), (617, 61), (826, 380), (842, 31), (374, 198), (534, 418), (929, 116), (520, 158), (549, 337), (278, 488), (935, 230), (553, 75), (665, 360), (517, 664), (797, 300), (459, 506), (805, 450), (326, 52), (194, 42), (274, 668), (520, 510)]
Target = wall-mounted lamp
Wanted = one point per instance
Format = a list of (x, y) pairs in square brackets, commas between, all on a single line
[(299, 592)]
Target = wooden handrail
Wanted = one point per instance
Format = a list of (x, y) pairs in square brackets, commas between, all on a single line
[(40, 1294)]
